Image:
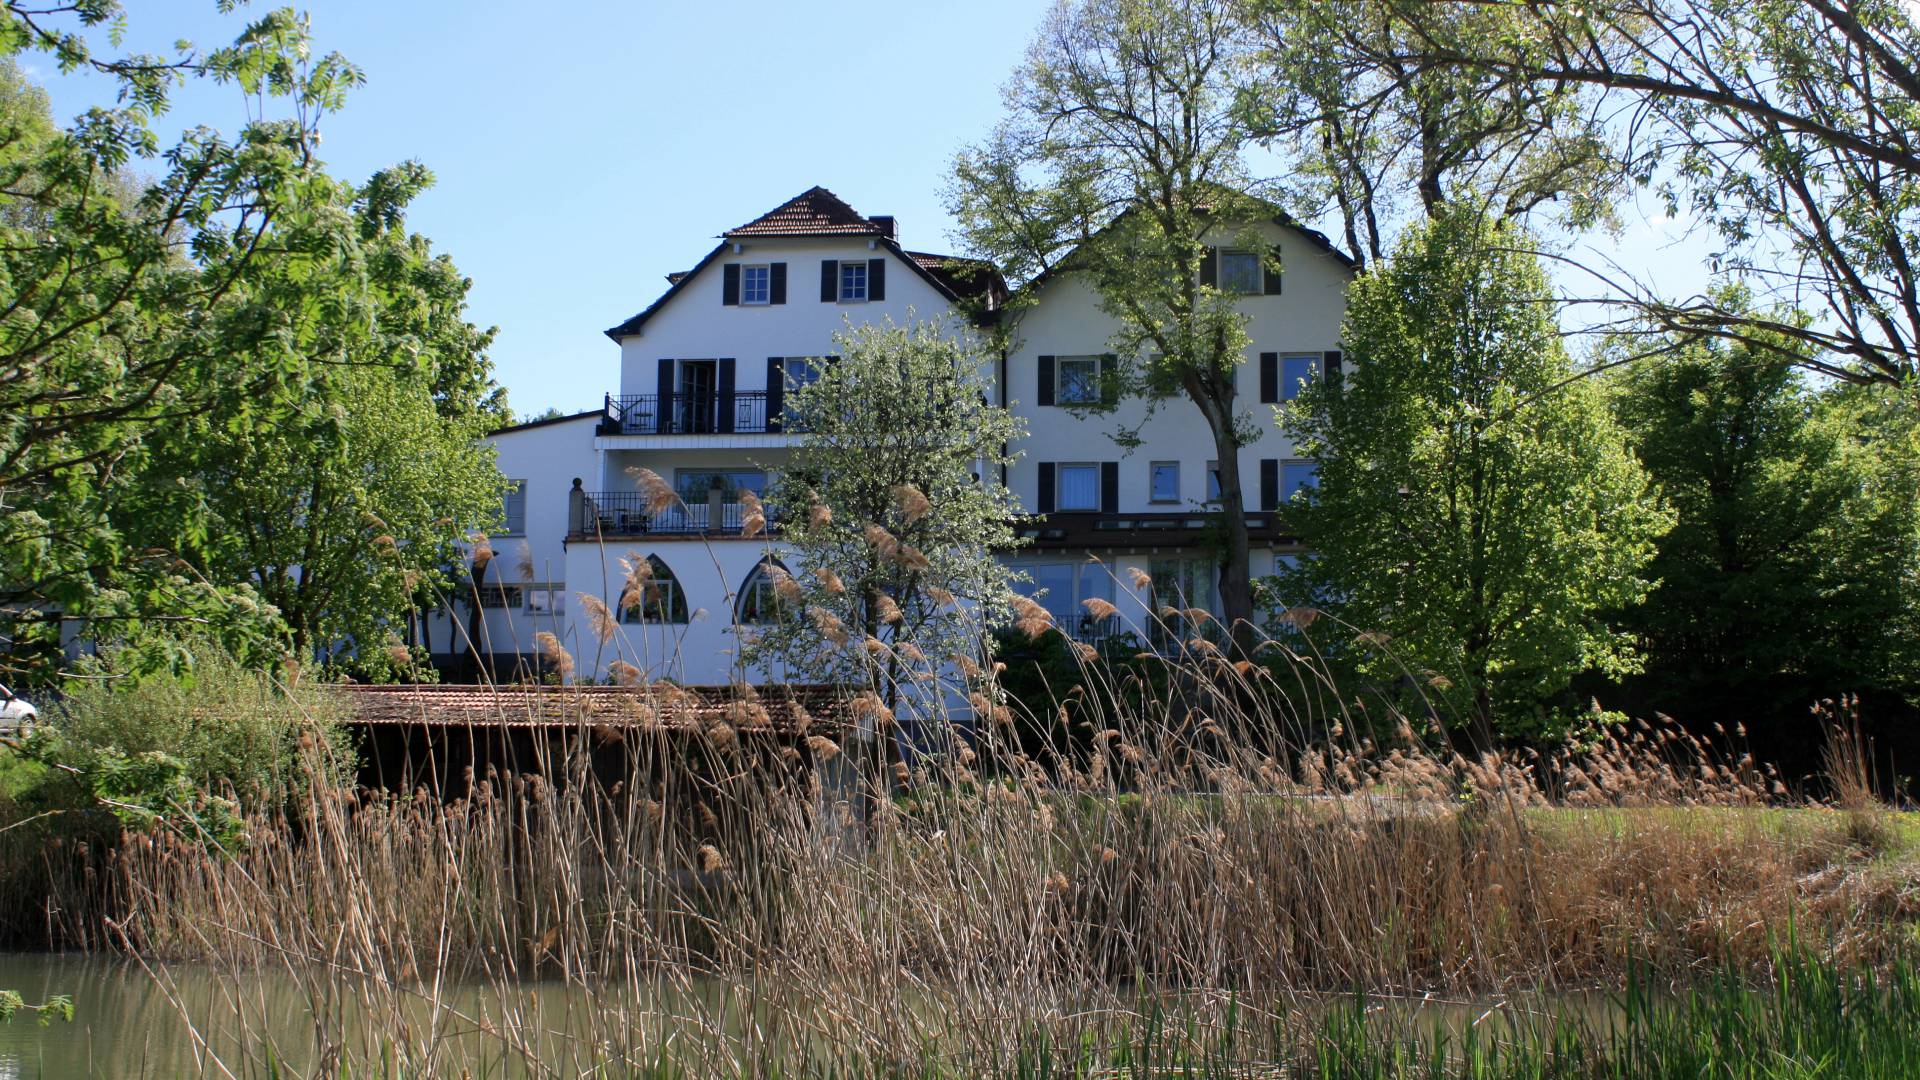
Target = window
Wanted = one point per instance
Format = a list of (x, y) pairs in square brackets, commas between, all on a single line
[(1164, 481), (1079, 487), (547, 598), (1063, 589), (802, 371), (502, 596), (756, 284), (1295, 475), (1239, 272), (513, 509), (853, 282), (1078, 380), (1213, 481), (760, 602), (1181, 585), (1296, 371), (652, 594), (694, 485)]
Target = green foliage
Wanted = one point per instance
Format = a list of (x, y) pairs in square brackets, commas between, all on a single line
[(170, 309), (1478, 507), (188, 751), (880, 503), (1785, 132), (1791, 573), (1376, 142), (58, 1007)]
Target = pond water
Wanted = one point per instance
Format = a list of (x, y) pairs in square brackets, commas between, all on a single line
[(128, 1024)]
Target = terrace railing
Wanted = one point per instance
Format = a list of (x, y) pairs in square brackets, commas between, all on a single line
[(625, 514), (705, 412)]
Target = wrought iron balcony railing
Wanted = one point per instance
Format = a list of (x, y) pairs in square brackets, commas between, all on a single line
[(700, 412), (625, 513)]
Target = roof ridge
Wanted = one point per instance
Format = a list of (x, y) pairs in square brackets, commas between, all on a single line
[(814, 212)]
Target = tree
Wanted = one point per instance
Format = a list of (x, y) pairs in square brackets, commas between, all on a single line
[(1790, 129), (1376, 140), (1478, 509), (1791, 571), (1120, 154), (340, 507), (890, 507), (121, 309)]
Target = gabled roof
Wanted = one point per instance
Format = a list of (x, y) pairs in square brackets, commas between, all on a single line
[(818, 212), (971, 278), (1275, 212), (814, 212)]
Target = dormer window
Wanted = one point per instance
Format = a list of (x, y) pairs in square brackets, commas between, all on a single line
[(756, 284), (853, 282)]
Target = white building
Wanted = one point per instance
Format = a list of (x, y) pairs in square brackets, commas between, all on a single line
[(703, 371)]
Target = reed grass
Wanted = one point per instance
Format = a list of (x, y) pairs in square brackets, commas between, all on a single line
[(743, 906)]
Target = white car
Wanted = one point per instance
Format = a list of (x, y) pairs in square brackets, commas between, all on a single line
[(15, 713)]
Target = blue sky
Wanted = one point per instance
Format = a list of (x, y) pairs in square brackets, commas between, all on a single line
[(580, 157)]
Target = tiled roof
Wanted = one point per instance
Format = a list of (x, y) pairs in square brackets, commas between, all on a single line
[(784, 709), (814, 212), (966, 277)]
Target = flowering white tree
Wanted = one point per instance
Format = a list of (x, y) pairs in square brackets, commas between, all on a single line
[(893, 508)]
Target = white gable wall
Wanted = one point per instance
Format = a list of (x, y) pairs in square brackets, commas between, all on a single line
[(694, 324), (1068, 321)]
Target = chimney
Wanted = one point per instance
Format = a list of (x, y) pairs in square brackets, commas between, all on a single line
[(887, 226)]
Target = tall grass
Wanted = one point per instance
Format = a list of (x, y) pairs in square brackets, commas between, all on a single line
[(736, 904)]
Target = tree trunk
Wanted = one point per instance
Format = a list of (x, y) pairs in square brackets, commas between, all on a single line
[(1236, 583)]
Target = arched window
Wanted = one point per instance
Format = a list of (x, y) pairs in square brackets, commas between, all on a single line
[(652, 594), (759, 602)]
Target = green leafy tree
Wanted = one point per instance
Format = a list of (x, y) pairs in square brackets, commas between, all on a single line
[(1792, 570), (1479, 514), (339, 508), (891, 506), (1789, 130), (126, 308), (1376, 140), (1120, 153)]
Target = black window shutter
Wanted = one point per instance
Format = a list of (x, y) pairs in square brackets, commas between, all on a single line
[(1272, 274), (776, 389), (876, 279), (829, 280), (1109, 389), (1269, 378), (1210, 267), (1109, 487), (777, 284), (663, 404), (723, 395), (1046, 487), (1269, 483), (730, 284), (1046, 381), (1330, 365)]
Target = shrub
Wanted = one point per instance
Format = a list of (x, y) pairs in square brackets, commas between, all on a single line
[(220, 727)]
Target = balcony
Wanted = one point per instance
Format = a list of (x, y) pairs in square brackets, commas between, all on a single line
[(693, 412), (596, 515)]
